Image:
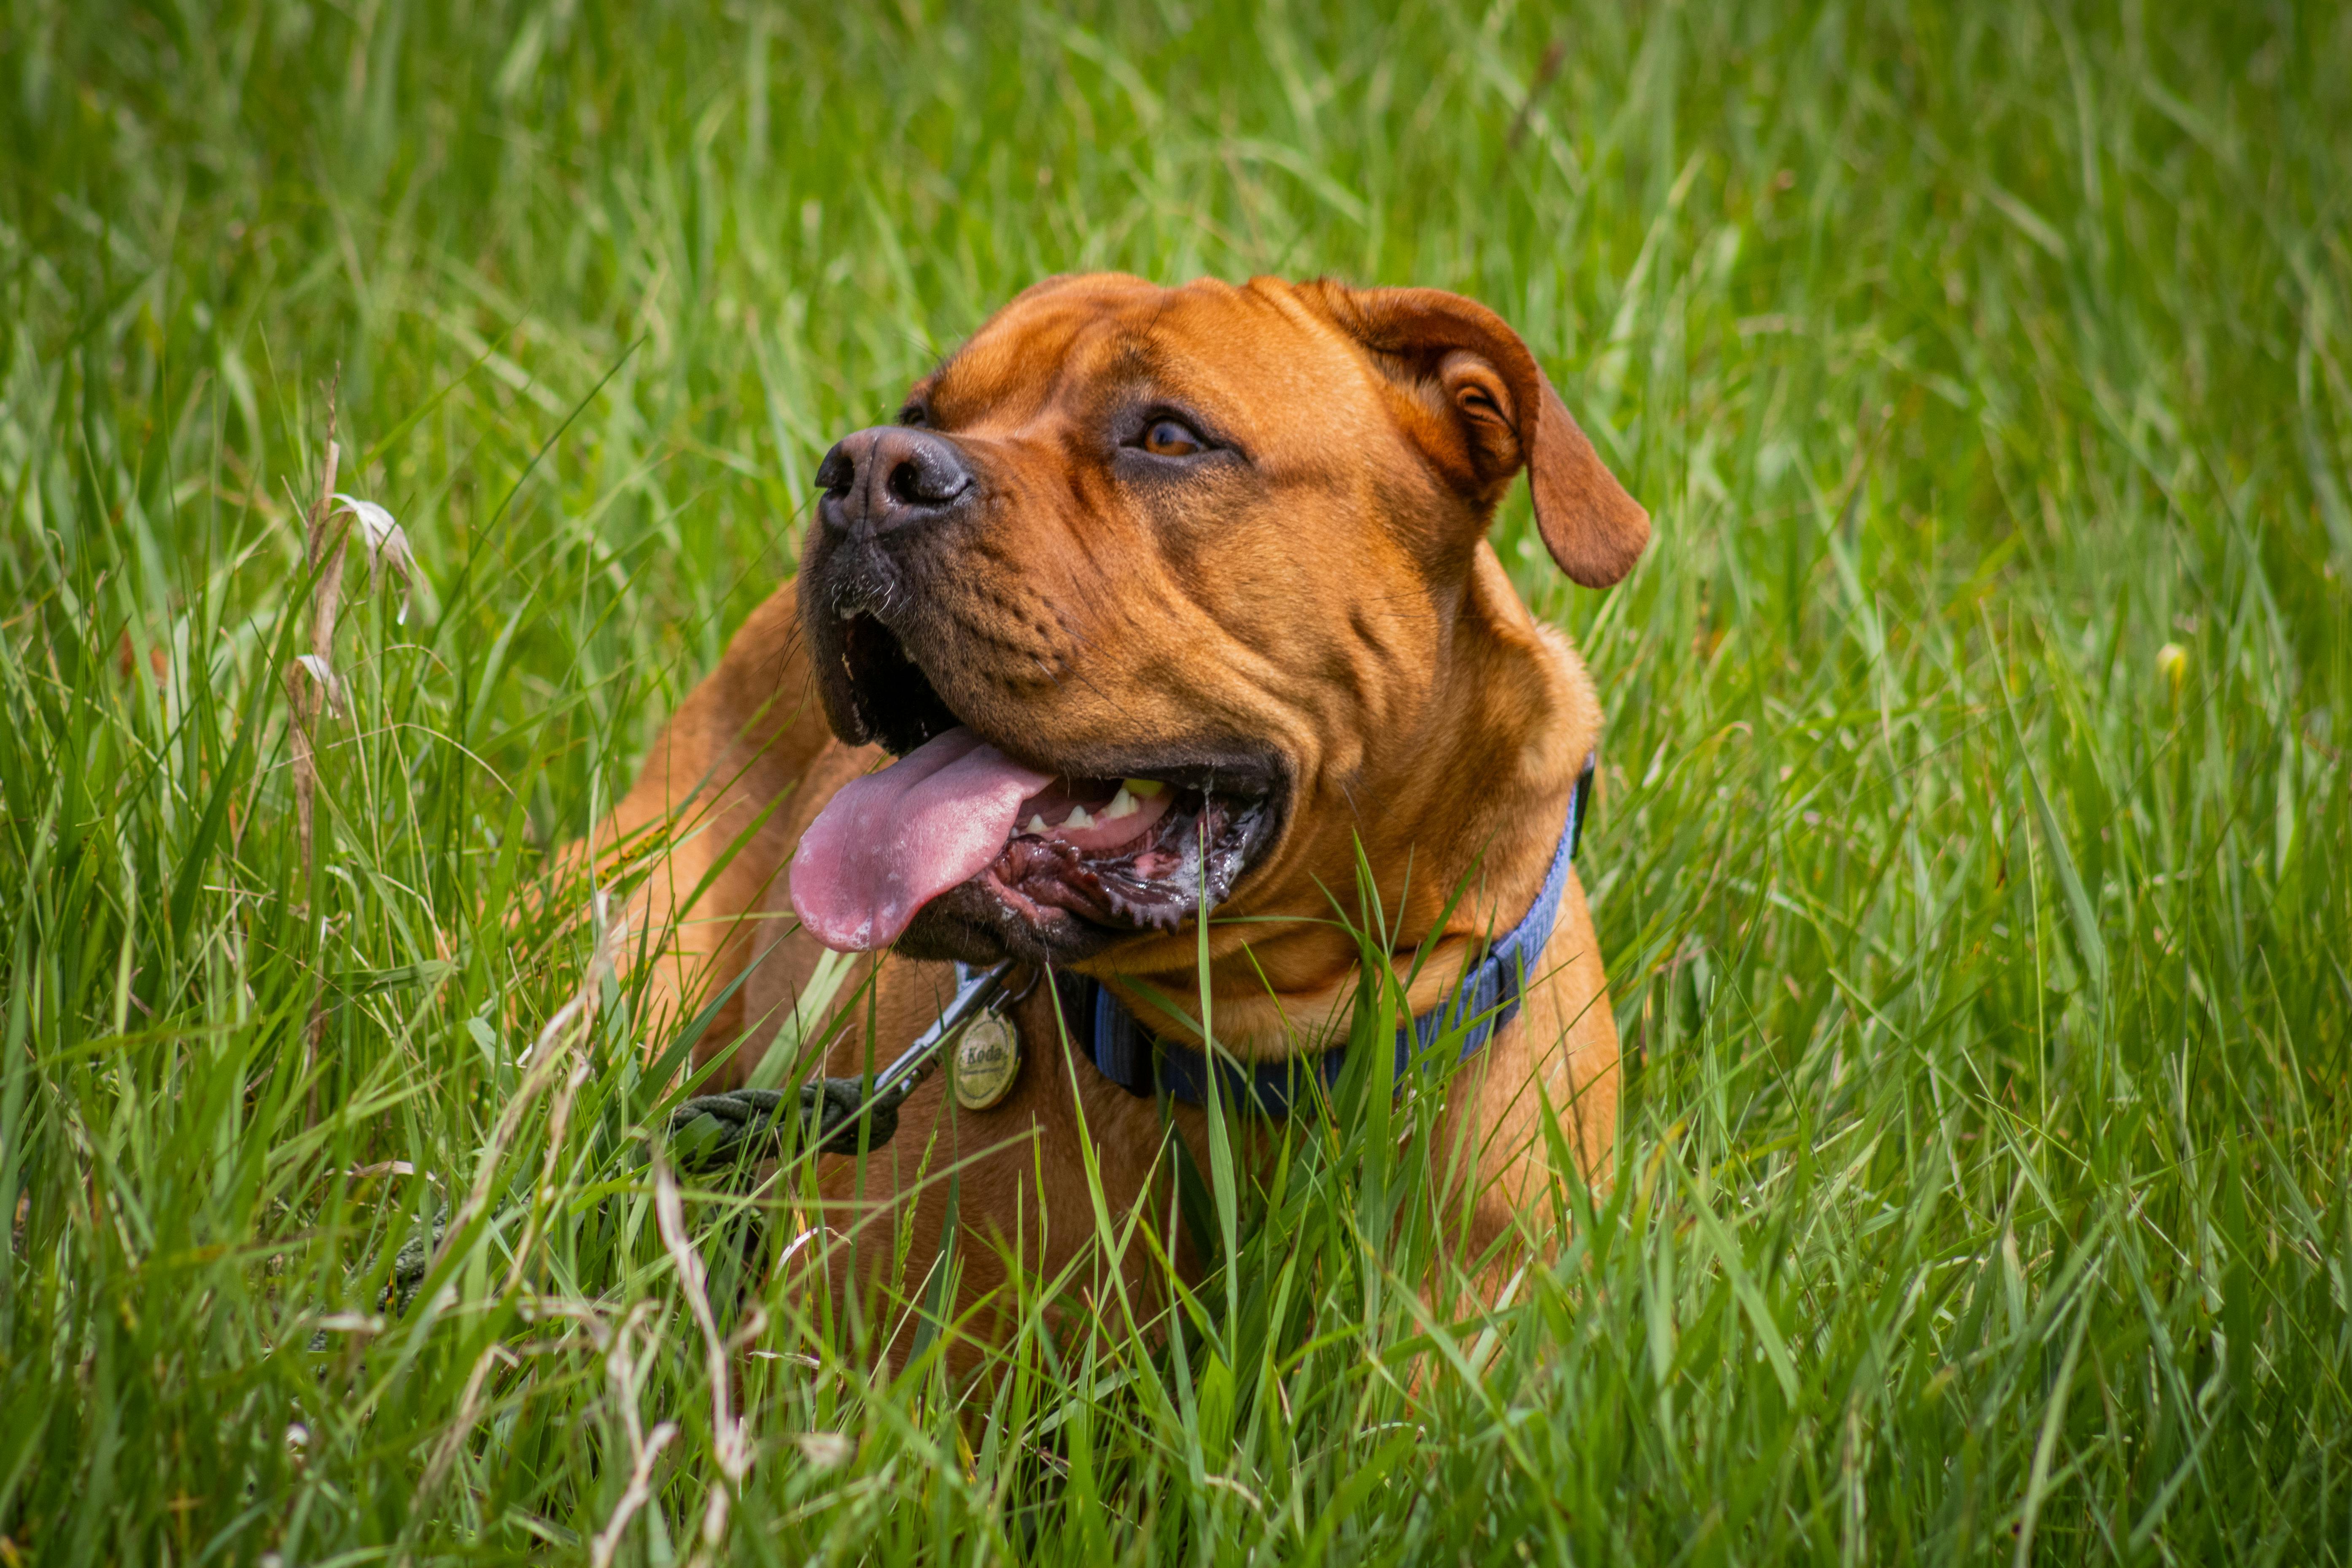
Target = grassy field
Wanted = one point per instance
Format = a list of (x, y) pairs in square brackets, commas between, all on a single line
[(1974, 854)]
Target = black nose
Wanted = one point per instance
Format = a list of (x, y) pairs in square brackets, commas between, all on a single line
[(889, 476)]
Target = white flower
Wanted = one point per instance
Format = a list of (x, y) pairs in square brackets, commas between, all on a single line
[(385, 543), (320, 671), (823, 1450)]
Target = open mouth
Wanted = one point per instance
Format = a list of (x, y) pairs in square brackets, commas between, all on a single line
[(1052, 856)]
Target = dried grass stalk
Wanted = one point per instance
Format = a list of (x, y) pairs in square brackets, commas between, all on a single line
[(310, 683), (731, 1433), (565, 1034)]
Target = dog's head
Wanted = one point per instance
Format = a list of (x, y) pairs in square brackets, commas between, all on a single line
[(1142, 577)]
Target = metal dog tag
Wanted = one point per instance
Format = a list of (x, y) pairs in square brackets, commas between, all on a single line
[(987, 1060)]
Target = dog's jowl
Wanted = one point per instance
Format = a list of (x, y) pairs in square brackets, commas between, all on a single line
[(1151, 598)]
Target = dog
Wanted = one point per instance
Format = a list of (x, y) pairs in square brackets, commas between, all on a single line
[(1157, 595)]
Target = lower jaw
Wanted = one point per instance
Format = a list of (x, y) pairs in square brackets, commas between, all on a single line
[(977, 923)]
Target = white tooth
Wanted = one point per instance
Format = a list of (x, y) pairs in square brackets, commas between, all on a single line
[(1077, 818), (1036, 822), (1121, 805)]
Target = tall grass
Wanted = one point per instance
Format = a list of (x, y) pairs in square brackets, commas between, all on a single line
[(1971, 854)]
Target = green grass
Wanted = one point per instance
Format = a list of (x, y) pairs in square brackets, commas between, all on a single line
[(1983, 1191)]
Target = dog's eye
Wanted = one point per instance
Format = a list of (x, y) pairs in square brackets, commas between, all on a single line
[(914, 413), (1171, 438)]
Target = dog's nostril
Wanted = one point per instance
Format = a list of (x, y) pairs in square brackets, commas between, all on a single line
[(915, 482), (836, 473)]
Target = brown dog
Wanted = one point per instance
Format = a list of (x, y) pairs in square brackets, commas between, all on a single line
[(1226, 541)]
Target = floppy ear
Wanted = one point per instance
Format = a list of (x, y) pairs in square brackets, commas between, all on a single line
[(1506, 417)]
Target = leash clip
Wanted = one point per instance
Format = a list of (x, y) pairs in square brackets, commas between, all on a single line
[(841, 1113), (986, 1047)]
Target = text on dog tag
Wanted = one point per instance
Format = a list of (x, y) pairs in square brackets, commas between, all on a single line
[(987, 1060)]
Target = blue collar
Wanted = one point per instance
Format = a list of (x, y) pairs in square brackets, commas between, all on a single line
[(1488, 997)]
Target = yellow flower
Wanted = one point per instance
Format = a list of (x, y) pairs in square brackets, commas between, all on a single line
[(2172, 663)]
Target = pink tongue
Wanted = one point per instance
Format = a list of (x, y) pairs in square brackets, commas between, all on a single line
[(890, 843)]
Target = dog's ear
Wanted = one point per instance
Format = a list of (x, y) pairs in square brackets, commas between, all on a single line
[(1504, 415)]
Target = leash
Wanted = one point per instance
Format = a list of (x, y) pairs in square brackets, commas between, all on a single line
[(834, 1115)]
